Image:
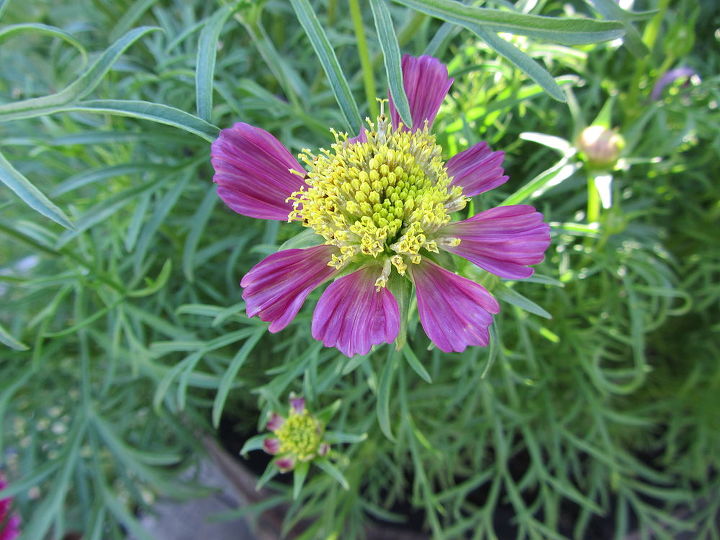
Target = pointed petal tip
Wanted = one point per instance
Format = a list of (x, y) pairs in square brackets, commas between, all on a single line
[(503, 241), (455, 312), (271, 445), (276, 288), (297, 405), (275, 421), (285, 464), (426, 82)]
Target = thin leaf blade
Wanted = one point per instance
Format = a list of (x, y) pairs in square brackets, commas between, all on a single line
[(393, 61), (329, 62), (31, 195)]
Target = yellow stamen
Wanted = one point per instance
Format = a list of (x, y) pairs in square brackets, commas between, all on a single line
[(385, 198)]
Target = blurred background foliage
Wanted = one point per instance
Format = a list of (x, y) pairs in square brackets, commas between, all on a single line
[(595, 410)]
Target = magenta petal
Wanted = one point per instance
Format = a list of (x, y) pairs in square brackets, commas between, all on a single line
[(275, 422), (277, 286), (426, 84), (11, 529), (353, 316), (252, 171), (360, 137), (297, 405), (454, 311), (285, 464), (502, 240), (271, 445), (477, 169)]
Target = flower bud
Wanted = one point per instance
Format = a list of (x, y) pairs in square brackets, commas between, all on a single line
[(600, 146), (297, 437)]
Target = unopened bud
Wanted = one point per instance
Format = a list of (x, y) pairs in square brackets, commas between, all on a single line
[(601, 146)]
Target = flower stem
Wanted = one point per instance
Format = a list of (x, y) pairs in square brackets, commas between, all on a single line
[(593, 200), (365, 62)]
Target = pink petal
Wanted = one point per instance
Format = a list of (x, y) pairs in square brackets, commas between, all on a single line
[(353, 316), (477, 169), (454, 311), (297, 405), (275, 422), (360, 137), (252, 172), (277, 286), (285, 464), (426, 84), (271, 445), (502, 240)]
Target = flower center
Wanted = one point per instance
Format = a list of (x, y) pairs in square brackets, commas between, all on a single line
[(301, 435), (385, 197)]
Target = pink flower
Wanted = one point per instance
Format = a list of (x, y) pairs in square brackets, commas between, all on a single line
[(9, 522), (381, 204)]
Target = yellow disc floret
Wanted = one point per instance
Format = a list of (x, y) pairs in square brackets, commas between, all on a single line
[(384, 198), (300, 435)]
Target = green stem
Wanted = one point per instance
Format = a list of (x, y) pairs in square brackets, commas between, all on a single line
[(365, 62), (593, 200), (650, 36), (331, 11)]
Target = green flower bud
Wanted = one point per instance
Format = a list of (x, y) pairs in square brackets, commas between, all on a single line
[(600, 146)]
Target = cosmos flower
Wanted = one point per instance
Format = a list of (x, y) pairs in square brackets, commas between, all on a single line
[(296, 438), (380, 205), (9, 522)]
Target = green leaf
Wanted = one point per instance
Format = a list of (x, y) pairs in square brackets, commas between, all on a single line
[(270, 471), (509, 51), (632, 40), (91, 176), (130, 16), (511, 296), (337, 437), (31, 195), (328, 60), (391, 53), (105, 209), (154, 286), (3, 5), (415, 364), (553, 176), (146, 110), (229, 377), (205, 62), (333, 471), (254, 443), (383, 393), (556, 30), (85, 84), (198, 221), (306, 238), (54, 31), (299, 475)]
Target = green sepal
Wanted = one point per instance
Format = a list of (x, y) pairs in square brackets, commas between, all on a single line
[(326, 414), (254, 443), (299, 474), (401, 288), (304, 239), (270, 472), (333, 471)]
